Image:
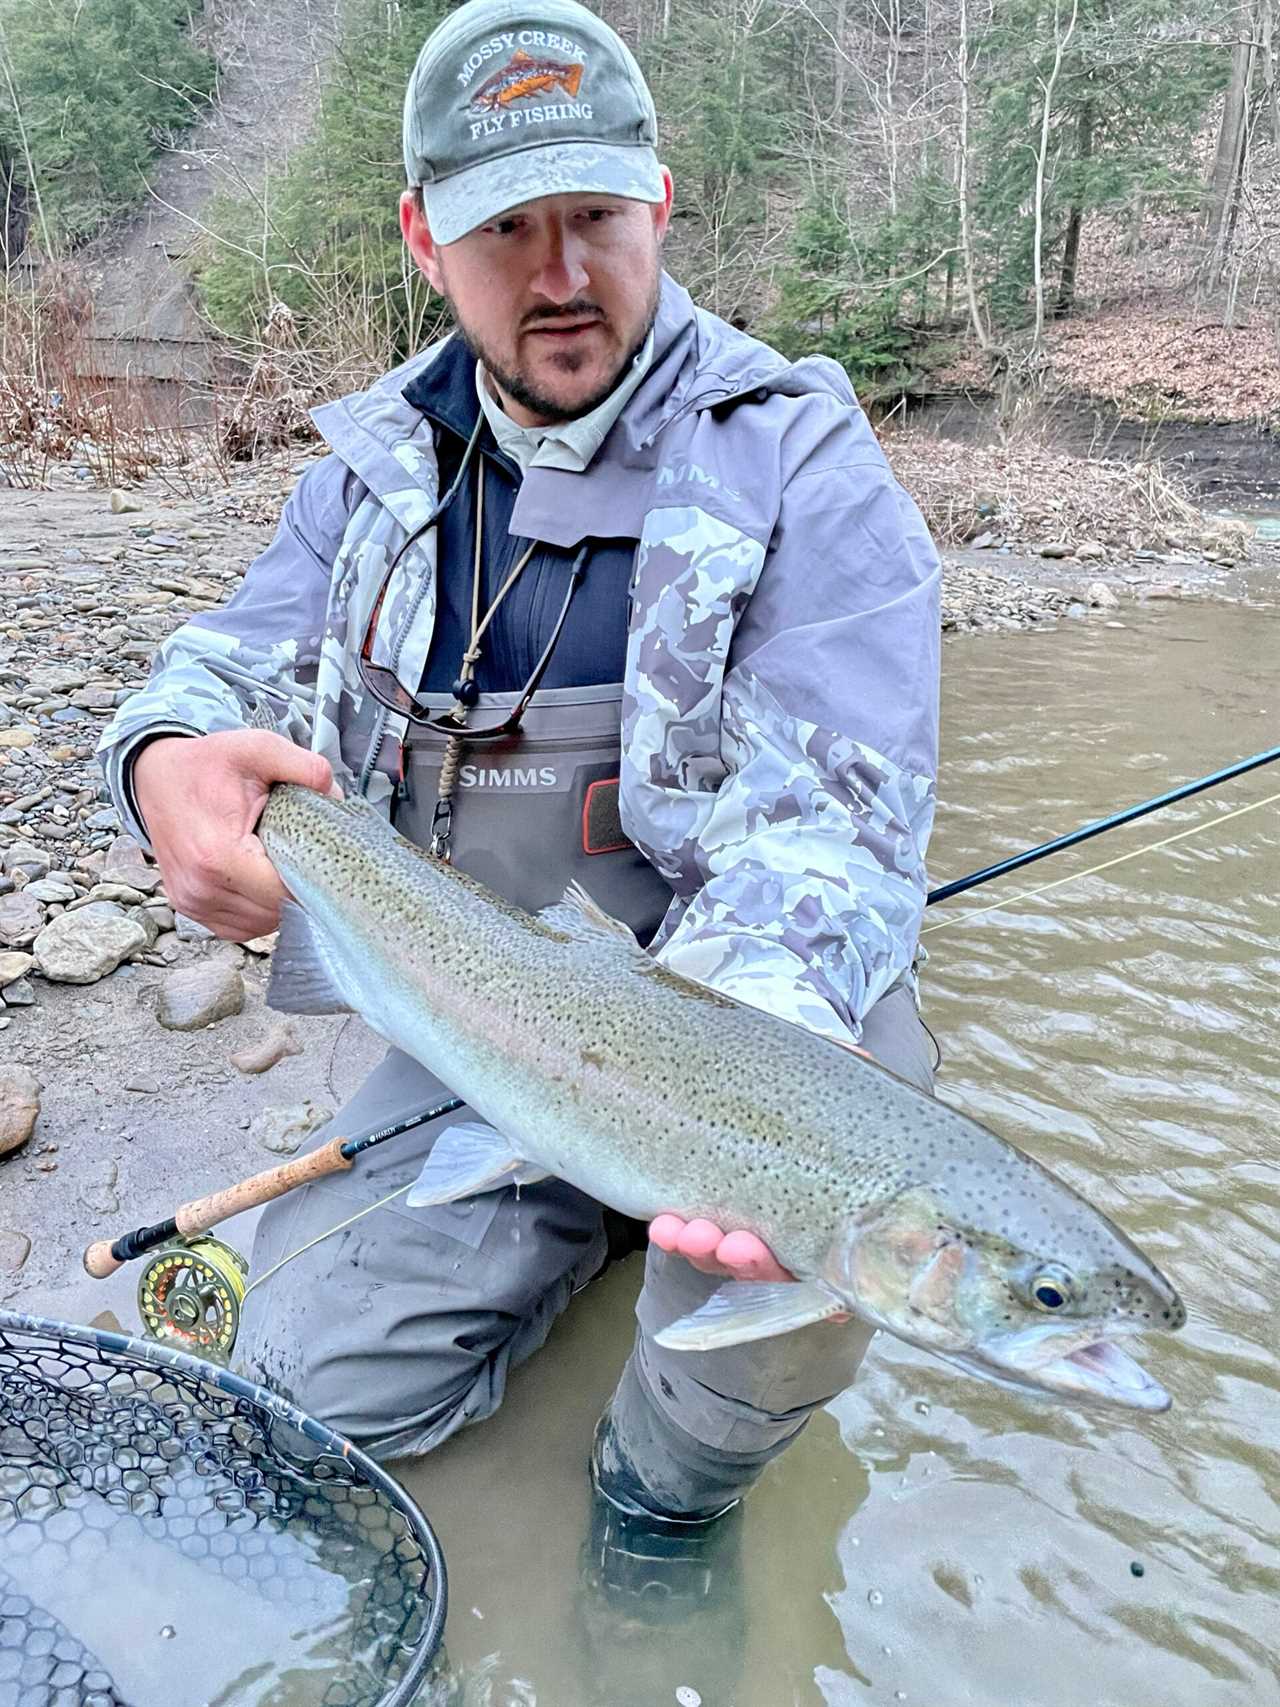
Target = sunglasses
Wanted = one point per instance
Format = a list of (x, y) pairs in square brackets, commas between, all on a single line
[(383, 685)]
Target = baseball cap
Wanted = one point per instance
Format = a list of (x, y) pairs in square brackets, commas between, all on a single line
[(515, 99)]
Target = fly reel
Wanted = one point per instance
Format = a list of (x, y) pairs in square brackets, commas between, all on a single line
[(189, 1296)]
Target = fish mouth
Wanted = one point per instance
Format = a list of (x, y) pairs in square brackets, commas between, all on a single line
[(1084, 1366)]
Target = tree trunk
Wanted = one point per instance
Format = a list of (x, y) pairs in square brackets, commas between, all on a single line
[(1075, 219), (1227, 156), (1060, 41)]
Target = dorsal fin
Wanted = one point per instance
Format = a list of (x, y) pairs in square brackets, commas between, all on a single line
[(585, 920)]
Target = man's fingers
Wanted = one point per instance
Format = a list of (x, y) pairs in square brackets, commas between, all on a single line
[(749, 1258), (271, 758)]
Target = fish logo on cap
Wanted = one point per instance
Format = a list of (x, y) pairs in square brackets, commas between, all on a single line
[(522, 77)]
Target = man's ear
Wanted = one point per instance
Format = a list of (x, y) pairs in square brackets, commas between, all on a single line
[(418, 239), (662, 210)]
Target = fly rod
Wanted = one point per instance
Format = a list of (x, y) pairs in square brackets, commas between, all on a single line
[(106, 1256), (1016, 861)]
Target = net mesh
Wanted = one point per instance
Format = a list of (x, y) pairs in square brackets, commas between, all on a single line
[(107, 1442)]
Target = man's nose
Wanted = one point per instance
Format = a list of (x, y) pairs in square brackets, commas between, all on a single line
[(562, 273)]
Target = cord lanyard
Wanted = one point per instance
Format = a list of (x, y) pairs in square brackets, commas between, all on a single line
[(465, 691)]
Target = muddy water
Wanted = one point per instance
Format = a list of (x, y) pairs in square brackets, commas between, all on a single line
[(931, 1539)]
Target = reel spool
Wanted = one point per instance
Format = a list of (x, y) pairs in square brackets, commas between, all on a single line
[(189, 1296)]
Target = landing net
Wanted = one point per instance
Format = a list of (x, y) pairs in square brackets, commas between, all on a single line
[(135, 1479)]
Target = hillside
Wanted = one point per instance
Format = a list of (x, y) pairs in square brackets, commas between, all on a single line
[(271, 56)]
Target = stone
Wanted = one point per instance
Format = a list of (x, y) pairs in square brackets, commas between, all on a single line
[(1101, 596), (191, 930), (279, 1042), (262, 944), (1091, 549), (283, 1130), (28, 859), (82, 946), (15, 1248), (19, 1107), (1055, 548), (107, 819), (17, 737), (19, 994), (148, 921), (47, 889), (126, 863), (14, 966), (21, 918), (199, 995), (122, 504), (143, 1083), (984, 542), (121, 892)]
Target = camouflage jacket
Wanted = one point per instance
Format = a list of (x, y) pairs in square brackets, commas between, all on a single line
[(779, 726)]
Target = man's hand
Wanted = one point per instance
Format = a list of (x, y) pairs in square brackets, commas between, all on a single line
[(737, 1256), (200, 797)]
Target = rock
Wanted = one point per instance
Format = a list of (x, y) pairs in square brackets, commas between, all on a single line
[(15, 1248), (162, 913), (13, 739), (107, 819), (1091, 549), (45, 889), (147, 919), (190, 930), (1101, 597), (21, 917), (262, 944), (284, 1129), (260, 1057), (984, 542), (94, 699), (1157, 590), (19, 1107), (199, 995), (143, 1083), (19, 994), (99, 1193), (25, 857), (126, 863), (120, 892), (122, 504), (1056, 548), (14, 966), (82, 946)]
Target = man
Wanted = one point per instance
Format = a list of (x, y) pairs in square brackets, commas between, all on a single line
[(694, 553)]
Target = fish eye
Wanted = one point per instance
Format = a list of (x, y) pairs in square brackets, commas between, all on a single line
[(1051, 1289)]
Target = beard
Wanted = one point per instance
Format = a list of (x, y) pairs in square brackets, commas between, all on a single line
[(520, 385)]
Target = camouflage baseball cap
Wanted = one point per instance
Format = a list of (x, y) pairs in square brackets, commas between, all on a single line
[(515, 99)]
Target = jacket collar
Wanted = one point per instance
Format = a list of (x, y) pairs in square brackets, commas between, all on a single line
[(384, 434)]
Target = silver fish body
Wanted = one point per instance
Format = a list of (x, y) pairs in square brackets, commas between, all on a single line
[(650, 1092)]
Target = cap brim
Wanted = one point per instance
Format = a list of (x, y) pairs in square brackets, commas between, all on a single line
[(464, 200)]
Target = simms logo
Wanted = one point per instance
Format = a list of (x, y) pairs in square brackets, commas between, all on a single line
[(508, 776)]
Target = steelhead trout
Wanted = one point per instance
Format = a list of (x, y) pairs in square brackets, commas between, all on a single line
[(594, 1063)]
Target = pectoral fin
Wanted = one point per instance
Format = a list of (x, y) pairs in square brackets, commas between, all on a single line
[(302, 981), (467, 1160), (750, 1310)]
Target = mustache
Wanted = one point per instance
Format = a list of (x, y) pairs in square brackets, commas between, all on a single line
[(583, 309)]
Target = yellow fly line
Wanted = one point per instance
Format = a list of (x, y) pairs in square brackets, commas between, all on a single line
[(1073, 877)]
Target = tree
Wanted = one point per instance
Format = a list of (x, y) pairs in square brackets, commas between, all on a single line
[(88, 95)]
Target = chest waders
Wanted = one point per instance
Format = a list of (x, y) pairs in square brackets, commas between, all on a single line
[(537, 810)]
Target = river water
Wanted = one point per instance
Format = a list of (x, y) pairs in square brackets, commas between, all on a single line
[(932, 1539)]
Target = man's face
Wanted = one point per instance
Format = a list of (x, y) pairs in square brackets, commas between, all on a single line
[(553, 296)]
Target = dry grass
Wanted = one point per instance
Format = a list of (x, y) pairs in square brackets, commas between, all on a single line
[(1032, 497)]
